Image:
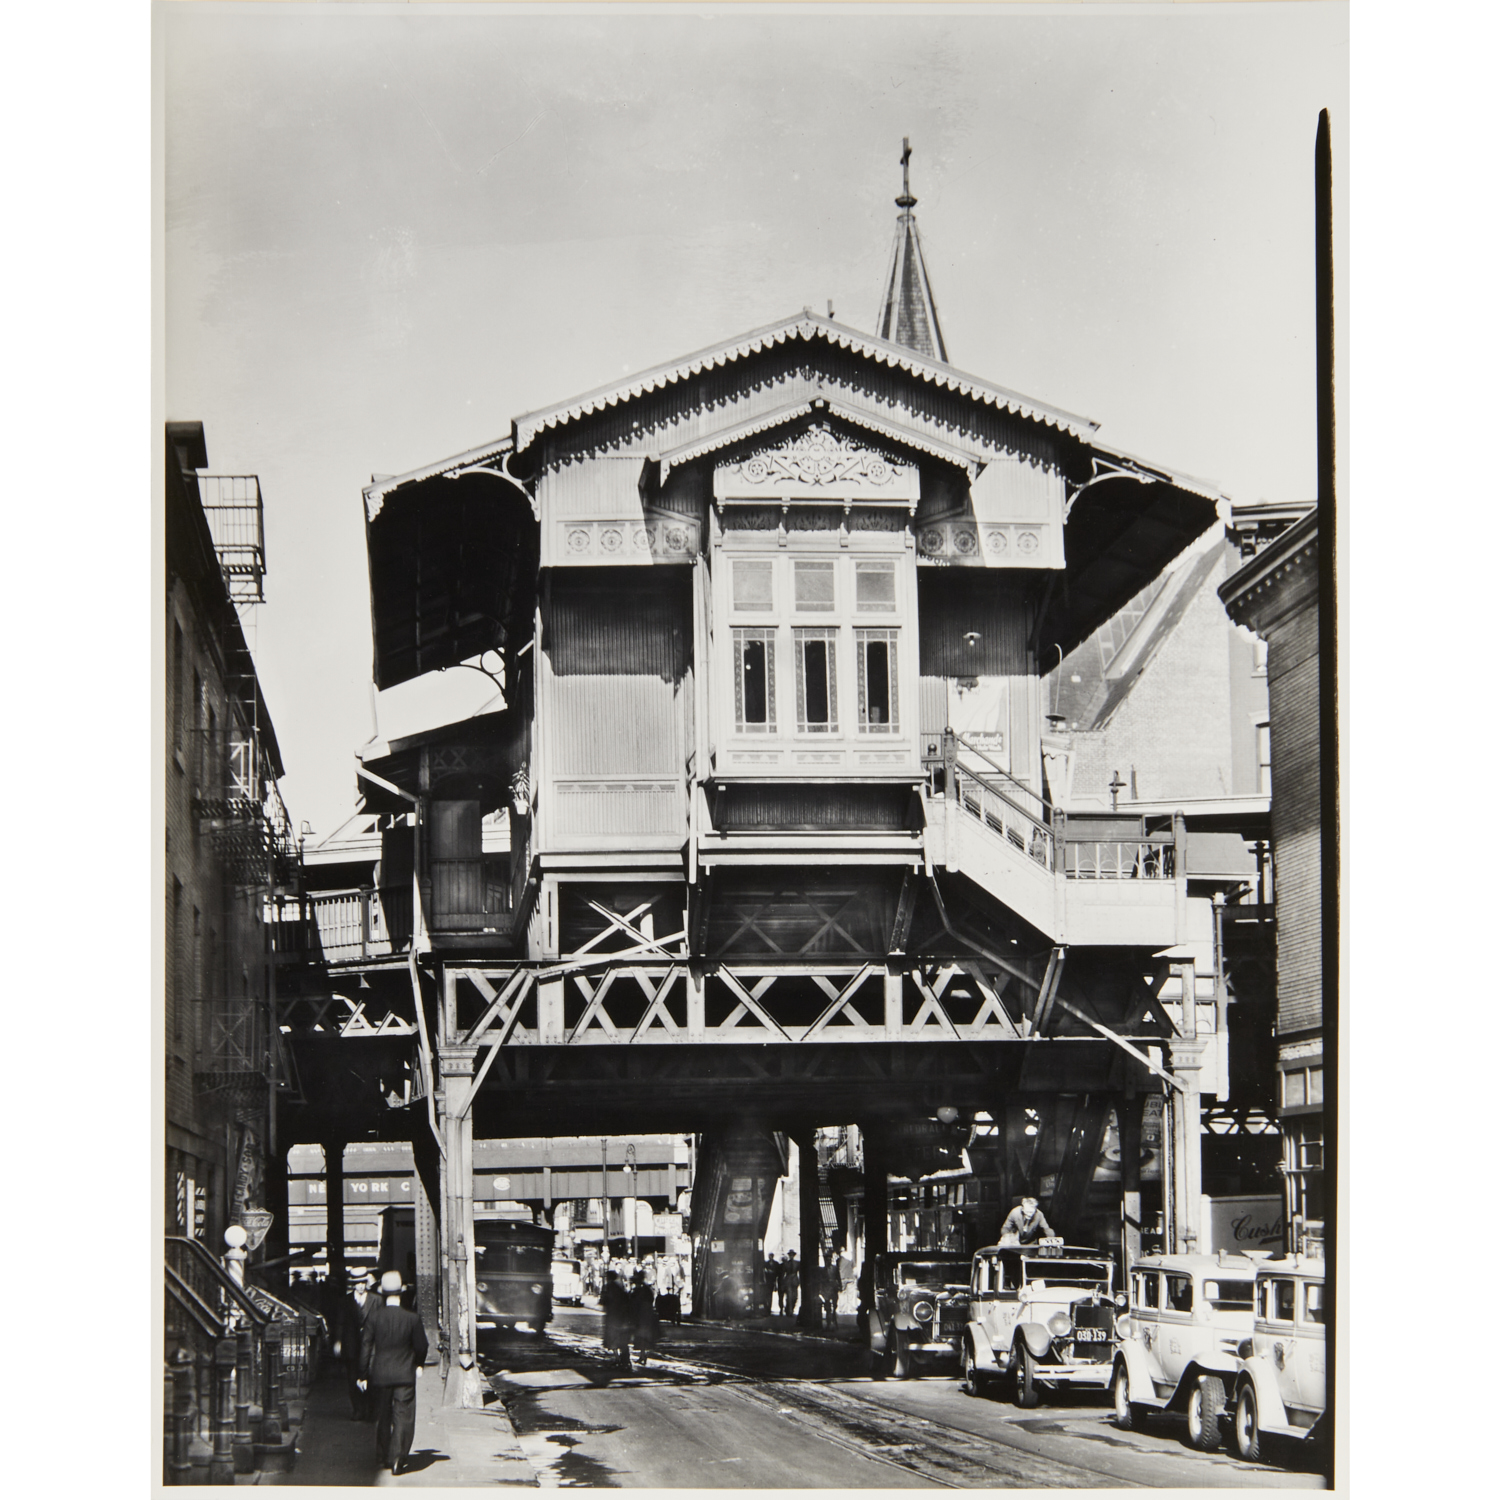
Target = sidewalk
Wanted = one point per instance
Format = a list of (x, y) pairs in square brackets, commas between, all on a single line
[(453, 1445)]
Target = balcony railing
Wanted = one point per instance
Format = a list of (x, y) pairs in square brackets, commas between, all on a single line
[(471, 895), (364, 923), (236, 520), (234, 1051), (1150, 857)]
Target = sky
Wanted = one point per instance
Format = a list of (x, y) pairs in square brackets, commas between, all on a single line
[(388, 230)]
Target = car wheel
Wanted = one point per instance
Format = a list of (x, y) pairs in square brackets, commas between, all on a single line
[(973, 1381), (1247, 1425), (1205, 1404), (1130, 1416), (900, 1355), (1027, 1394)]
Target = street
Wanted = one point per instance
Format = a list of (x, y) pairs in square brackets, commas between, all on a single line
[(738, 1408)]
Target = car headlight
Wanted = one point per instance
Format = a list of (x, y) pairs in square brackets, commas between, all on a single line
[(1120, 1299), (1059, 1325), (1246, 1349), (1124, 1327), (922, 1311), (536, 1289)]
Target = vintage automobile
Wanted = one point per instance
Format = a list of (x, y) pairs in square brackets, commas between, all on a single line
[(1179, 1345), (512, 1272), (921, 1307), (567, 1280), (1044, 1314), (1281, 1386)]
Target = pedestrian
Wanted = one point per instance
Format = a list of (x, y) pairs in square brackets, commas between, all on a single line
[(393, 1348), (829, 1288), (647, 1324), (349, 1328), (1025, 1224), (619, 1317), (791, 1284), (773, 1282)]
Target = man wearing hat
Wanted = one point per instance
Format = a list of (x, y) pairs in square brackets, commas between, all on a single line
[(1026, 1224), (392, 1350), (353, 1311)]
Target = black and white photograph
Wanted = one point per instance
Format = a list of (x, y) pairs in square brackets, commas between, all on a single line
[(747, 614)]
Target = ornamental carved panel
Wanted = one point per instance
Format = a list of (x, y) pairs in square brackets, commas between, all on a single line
[(819, 463)]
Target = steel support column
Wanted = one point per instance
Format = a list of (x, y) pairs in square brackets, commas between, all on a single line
[(456, 1067), (1128, 1110), (333, 1233), (810, 1225), (877, 1219), (427, 1214)]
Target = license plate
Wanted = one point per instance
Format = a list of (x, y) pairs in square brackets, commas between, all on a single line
[(1090, 1336)]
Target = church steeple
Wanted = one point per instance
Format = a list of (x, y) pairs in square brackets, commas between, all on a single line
[(908, 315)]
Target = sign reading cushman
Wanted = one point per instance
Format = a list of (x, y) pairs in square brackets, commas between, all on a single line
[(1244, 1223)]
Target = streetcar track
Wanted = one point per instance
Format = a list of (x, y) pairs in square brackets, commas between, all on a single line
[(943, 1454)]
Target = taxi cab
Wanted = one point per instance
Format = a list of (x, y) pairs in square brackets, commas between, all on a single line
[(1179, 1346), (1044, 1315), (1281, 1386)]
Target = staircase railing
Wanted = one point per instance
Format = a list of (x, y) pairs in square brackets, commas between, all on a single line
[(1002, 782), (982, 800), (226, 1402)]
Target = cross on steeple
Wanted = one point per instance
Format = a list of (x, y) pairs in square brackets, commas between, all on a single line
[(905, 200)]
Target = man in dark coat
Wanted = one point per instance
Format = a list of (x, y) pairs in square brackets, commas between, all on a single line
[(392, 1351), (791, 1283), (348, 1337), (619, 1317)]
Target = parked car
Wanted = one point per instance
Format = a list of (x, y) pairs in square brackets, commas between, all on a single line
[(921, 1308), (1179, 1350), (1042, 1314), (1281, 1386), (567, 1280)]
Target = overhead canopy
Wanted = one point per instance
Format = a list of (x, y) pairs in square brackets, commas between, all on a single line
[(1122, 530), (474, 757), (453, 563)]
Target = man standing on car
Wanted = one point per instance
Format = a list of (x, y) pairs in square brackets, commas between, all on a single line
[(1026, 1224), (392, 1351)]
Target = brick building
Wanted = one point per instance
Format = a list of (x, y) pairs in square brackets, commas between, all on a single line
[(1276, 594), (228, 851)]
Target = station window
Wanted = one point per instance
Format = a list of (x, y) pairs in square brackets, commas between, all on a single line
[(1263, 758), (752, 584), (813, 587), (875, 587), (875, 656), (1294, 1088), (817, 689), (755, 680)]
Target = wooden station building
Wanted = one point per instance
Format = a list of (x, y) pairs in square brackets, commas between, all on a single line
[(761, 840)]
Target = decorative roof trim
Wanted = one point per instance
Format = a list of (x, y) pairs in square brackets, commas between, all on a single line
[(676, 457), (1289, 554), (376, 491), (806, 325)]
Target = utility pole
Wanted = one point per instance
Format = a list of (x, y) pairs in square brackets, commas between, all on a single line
[(604, 1191)]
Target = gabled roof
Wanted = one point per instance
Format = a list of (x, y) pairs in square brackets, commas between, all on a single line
[(804, 325)]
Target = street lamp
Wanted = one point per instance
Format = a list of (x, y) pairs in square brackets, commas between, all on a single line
[(635, 1247)]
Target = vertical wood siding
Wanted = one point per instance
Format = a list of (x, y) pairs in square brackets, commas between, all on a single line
[(616, 660)]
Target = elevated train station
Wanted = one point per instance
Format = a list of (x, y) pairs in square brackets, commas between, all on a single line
[(760, 838)]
